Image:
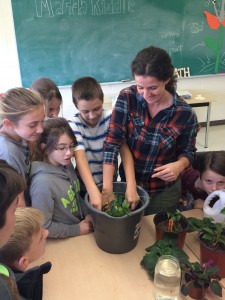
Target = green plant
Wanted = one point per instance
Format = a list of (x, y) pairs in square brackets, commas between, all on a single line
[(212, 233), (201, 276), (223, 211), (216, 22), (118, 207), (173, 220), (159, 248)]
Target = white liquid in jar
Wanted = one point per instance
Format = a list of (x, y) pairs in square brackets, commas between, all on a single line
[(167, 278)]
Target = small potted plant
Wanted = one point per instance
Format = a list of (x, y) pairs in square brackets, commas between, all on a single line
[(159, 248), (198, 278), (212, 241), (171, 225)]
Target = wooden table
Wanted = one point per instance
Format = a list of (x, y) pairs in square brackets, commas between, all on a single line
[(82, 271), (191, 240)]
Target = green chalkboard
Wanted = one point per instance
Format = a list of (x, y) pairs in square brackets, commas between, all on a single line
[(67, 39)]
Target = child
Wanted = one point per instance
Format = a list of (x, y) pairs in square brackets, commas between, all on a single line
[(11, 185), (50, 93), (27, 242), (26, 245), (54, 185), (90, 125), (22, 113), (8, 288), (198, 184)]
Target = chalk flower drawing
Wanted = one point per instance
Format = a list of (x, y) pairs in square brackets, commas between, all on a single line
[(216, 22)]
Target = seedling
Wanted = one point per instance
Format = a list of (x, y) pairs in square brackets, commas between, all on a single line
[(118, 207)]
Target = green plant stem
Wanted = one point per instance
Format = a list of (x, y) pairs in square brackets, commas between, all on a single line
[(219, 47)]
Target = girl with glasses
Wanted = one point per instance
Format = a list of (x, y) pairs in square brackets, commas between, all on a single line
[(55, 188)]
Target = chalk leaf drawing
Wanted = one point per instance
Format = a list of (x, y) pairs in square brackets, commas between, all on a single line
[(216, 22)]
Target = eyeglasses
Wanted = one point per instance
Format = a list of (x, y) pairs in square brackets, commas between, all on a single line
[(65, 148)]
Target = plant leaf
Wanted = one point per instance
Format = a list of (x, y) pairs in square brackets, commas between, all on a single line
[(162, 247), (223, 211), (184, 290), (211, 43), (118, 207), (216, 287)]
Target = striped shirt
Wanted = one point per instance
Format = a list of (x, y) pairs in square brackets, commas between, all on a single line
[(91, 139), (153, 141)]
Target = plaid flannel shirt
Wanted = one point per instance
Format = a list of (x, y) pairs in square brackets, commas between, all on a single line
[(153, 141)]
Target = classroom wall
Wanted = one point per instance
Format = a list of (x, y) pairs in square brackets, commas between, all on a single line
[(9, 64), (212, 86)]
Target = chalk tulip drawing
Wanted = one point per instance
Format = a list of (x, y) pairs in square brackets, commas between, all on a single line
[(216, 22)]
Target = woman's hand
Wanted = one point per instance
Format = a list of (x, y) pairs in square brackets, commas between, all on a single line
[(168, 172)]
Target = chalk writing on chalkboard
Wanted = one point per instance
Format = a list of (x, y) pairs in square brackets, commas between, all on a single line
[(68, 39), (194, 27), (182, 72), (173, 40), (94, 7)]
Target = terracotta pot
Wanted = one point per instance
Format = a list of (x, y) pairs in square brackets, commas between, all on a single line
[(217, 256), (197, 293), (178, 237)]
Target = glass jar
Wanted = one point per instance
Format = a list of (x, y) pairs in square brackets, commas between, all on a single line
[(167, 278)]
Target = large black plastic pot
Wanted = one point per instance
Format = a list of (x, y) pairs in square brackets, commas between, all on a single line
[(118, 234)]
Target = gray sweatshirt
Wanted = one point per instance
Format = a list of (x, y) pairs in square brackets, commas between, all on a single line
[(17, 154), (55, 191)]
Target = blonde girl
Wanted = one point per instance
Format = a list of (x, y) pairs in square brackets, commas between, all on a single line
[(22, 113), (50, 93)]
